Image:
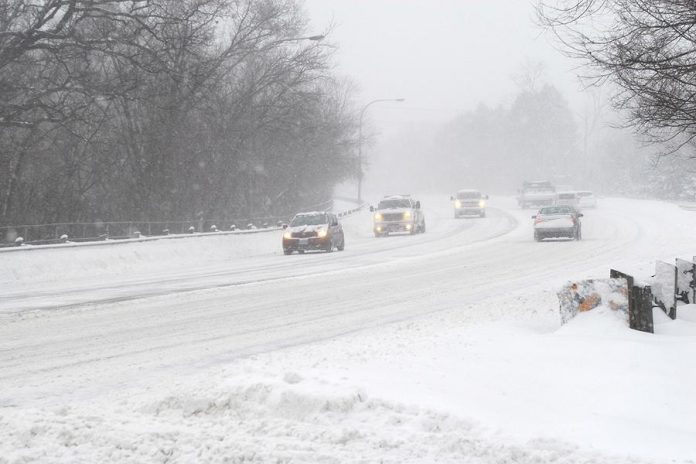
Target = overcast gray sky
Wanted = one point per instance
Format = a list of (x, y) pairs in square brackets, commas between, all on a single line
[(443, 56)]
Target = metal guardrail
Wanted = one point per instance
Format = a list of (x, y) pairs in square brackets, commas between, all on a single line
[(45, 234), (51, 234)]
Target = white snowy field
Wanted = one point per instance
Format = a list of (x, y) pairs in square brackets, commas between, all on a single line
[(442, 347)]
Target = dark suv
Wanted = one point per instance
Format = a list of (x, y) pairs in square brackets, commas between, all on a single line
[(315, 230)]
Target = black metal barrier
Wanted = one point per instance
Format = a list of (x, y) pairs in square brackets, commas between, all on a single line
[(639, 303)]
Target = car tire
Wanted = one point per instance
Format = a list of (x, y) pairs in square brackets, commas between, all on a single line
[(342, 246), (578, 234), (483, 214), (287, 252), (537, 236), (300, 252), (422, 229)]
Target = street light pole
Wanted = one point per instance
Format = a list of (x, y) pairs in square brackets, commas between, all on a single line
[(360, 124)]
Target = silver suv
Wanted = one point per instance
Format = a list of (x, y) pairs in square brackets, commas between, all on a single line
[(398, 213), (469, 203)]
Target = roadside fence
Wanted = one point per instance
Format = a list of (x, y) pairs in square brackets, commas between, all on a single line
[(49, 234)]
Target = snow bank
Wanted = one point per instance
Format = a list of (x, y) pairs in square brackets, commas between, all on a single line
[(64, 263), (269, 421)]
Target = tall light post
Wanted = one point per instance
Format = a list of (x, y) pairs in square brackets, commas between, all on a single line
[(360, 124)]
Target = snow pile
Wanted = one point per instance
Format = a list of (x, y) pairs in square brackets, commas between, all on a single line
[(272, 421)]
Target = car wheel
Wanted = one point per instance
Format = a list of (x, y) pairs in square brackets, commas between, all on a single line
[(300, 252), (287, 252), (342, 246), (578, 234), (422, 229), (483, 214), (537, 236), (329, 248)]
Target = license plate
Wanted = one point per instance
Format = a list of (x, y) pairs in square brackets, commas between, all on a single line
[(304, 241)]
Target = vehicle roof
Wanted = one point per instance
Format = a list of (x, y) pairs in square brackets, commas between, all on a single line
[(468, 191), (537, 182), (558, 209), (566, 192), (312, 213), (397, 197)]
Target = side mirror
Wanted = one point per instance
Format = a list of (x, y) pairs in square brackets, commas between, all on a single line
[(285, 226), (580, 215), (418, 205), (372, 209)]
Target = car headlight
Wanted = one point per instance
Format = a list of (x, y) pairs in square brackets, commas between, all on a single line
[(407, 215), (457, 204), (482, 203), (287, 234), (322, 233), (378, 216)]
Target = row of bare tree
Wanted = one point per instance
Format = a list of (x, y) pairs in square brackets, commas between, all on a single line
[(166, 109)]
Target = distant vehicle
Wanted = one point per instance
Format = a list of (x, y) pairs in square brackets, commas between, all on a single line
[(568, 198), (587, 199), (314, 230), (398, 213), (557, 221), (469, 203), (536, 193)]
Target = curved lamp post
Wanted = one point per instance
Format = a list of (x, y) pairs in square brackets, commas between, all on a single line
[(362, 114)]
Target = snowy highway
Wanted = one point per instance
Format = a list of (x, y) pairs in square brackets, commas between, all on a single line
[(85, 328)]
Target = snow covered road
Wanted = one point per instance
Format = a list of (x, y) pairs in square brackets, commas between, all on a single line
[(107, 331)]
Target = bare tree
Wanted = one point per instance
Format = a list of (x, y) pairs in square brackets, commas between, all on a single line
[(647, 48), (162, 109)]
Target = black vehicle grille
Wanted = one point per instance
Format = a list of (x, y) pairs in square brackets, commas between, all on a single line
[(305, 234), (393, 216)]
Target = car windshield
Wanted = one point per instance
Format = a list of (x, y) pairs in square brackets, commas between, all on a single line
[(554, 210), (566, 196), (468, 195), (309, 220), (394, 203), (584, 194)]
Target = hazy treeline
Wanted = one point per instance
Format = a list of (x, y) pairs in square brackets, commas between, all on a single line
[(493, 149), (535, 136), (166, 109)]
